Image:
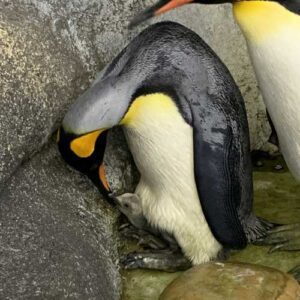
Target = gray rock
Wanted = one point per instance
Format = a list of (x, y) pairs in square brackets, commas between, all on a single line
[(39, 79), (56, 235), (49, 53)]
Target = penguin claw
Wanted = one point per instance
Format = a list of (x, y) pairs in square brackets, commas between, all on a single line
[(132, 260), (129, 232), (144, 238), (294, 228), (123, 226), (295, 272), (153, 242), (282, 238), (275, 248)]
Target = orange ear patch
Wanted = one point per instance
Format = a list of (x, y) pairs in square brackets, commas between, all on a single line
[(84, 146), (102, 177)]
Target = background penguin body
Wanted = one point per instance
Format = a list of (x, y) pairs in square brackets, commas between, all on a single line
[(272, 32), (185, 123)]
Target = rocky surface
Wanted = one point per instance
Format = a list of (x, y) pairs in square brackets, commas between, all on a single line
[(232, 281), (49, 52), (56, 235), (55, 239)]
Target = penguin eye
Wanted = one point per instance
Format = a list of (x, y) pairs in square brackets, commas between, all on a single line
[(126, 205)]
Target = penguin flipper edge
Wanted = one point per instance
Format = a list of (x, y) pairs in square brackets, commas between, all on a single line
[(216, 168)]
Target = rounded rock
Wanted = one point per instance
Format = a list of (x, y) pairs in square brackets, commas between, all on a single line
[(216, 280)]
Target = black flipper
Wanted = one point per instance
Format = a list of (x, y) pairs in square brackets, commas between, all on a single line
[(217, 173)]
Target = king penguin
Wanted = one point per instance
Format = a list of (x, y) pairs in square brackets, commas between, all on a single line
[(185, 123), (272, 32)]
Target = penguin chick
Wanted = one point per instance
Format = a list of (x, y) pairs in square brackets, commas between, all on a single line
[(130, 205)]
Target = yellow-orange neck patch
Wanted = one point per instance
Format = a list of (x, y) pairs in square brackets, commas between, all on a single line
[(262, 19), (84, 146), (148, 105)]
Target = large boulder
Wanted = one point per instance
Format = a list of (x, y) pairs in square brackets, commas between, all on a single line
[(234, 281), (49, 53), (57, 237)]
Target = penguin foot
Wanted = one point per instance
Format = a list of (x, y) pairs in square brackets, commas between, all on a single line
[(151, 241), (144, 238), (295, 272), (163, 260), (282, 238), (257, 229)]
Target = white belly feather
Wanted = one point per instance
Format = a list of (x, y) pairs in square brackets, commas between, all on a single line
[(277, 65), (162, 146), (273, 37)]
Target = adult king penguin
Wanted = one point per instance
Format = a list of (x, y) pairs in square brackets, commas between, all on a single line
[(186, 126), (272, 31)]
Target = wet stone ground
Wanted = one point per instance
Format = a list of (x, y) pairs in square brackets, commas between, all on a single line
[(277, 198)]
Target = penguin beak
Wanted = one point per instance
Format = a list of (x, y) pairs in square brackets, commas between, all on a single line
[(163, 6), (159, 8), (85, 153)]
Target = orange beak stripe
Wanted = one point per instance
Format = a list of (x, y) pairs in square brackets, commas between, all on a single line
[(84, 146), (171, 5), (102, 177)]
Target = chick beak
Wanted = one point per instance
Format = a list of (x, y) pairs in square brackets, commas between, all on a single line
[(159, 8)]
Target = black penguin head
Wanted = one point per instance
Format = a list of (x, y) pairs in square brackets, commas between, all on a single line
[(83, 133), (85, 153), (163, 6)]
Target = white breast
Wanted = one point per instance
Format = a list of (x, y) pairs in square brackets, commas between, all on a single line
[(277, 65), (162, 146)]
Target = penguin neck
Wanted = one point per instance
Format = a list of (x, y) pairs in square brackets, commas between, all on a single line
[(260, 20)]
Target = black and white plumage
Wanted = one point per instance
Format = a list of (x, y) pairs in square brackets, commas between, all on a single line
[(186, 126)]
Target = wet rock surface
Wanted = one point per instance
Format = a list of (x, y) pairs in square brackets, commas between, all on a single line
[(232, 281)]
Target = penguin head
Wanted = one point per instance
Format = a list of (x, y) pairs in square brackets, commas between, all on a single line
[(83, 133), (129, 204), (163, 6)]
